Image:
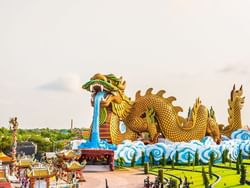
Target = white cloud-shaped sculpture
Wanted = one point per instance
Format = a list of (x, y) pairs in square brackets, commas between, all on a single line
[(240, 141)]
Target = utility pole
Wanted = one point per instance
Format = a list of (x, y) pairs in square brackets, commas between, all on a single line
[(71, 124)]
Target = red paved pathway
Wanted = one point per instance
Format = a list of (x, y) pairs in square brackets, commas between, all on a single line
[(132, 178)]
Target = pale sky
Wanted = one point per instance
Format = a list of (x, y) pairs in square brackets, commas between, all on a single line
[(48, 49)]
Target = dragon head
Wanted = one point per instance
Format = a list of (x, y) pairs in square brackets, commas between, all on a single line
[(114, 88), (237, 97)]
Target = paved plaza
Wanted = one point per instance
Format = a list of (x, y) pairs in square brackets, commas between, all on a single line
[(128, 178)]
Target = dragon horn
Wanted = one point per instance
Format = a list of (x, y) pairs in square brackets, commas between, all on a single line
[(122, 85), (241, 88), (232, 93)]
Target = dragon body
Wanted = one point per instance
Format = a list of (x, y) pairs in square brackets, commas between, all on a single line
[(235, 103), (122, 118)]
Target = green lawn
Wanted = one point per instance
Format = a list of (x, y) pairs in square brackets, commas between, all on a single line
[(246, 160), (194, 177), (229, 177)]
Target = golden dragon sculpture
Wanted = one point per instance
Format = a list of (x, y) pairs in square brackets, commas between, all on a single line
[(121, 118)]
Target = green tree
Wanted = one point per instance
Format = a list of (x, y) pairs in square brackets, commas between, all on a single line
[(238, 166), (210, 165), (193, 164), (146, 168), (243, 175), (205, 179), (142, 158), (224, 156), (212, 158), (240, 157), (151, 159), (5, 140), (163, 160), (172, 163), (189, 159), (196, 158), (6, 144), (210, 170), (230, 162), (176, 157), (122, 161), (133, 160), (160, 175)]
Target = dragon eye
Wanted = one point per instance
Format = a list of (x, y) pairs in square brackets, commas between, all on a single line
[(143, 115)]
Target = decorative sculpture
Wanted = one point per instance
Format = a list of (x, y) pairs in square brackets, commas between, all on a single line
[(121, 118), (13, 127)]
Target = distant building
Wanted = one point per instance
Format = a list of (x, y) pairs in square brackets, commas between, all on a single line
[(50, 155), (27, 148)]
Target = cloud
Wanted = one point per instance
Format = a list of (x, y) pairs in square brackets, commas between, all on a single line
[(67, 83), (239, 69)]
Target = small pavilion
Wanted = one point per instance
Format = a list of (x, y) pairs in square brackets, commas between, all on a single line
[(40, 176), (5, 164)]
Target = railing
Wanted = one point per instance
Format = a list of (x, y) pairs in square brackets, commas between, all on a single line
[(66, 185)]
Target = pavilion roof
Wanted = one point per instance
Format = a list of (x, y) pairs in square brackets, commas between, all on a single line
[(39, 172), (25, 162), (74, 166), (2, 174), (5, 158), (68, 154)]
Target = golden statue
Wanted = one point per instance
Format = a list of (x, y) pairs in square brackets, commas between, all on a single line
[(156, 114)]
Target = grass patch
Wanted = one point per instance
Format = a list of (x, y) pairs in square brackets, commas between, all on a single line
[(229, 178), (194, 177)]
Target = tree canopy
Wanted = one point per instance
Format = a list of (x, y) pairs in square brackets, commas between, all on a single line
[(46, 139)]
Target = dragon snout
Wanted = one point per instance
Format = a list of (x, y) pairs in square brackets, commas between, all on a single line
[(99, 76)]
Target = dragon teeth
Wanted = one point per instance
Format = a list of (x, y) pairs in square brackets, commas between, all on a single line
[(96, 85)]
